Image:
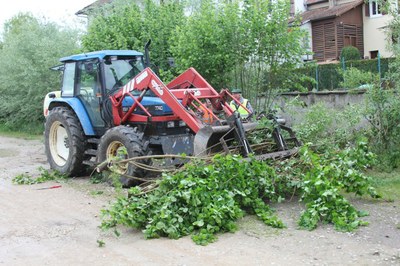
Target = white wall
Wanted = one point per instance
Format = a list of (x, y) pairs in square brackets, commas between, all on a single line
[(299, 6), (375, 38)]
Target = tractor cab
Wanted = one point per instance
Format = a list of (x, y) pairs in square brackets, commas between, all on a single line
[(92, 78)]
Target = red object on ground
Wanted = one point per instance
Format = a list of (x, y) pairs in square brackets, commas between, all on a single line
[(58, 186)]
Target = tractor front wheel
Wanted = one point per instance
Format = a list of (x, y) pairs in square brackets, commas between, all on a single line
[(123, 142), (64, 142)]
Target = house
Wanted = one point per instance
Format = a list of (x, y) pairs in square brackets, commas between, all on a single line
[(334, 24), (86, 10), (98, 3)]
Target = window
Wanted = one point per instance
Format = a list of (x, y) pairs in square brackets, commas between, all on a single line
[(373, 54), (68, 80), (375, 9), (88, 90), (350, 41)]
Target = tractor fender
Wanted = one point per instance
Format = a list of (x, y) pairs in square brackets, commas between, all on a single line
[(76, 105)]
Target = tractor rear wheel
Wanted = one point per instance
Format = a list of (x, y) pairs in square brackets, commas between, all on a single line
[(64, 142), (124, 142)]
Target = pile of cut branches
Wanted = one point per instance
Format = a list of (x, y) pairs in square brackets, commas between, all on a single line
[(204, 198)]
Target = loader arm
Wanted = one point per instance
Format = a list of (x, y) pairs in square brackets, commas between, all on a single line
[(148, 80), (190, 97), (191, 79)]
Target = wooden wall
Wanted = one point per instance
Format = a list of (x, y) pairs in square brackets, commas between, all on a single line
[(331, 35)]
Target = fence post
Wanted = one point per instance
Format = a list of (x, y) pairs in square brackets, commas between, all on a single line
[(316, 77), (343, 64), (344, 69)]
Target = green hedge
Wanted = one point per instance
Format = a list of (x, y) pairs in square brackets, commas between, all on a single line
[(329, 76)]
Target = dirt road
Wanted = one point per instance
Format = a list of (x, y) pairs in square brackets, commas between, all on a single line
[(60, 227)]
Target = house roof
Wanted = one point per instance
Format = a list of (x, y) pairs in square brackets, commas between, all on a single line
[(311, 2), (328, 12), (97, 3)]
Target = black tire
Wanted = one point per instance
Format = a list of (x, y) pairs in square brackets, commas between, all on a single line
[(124, 137), (65, 142)]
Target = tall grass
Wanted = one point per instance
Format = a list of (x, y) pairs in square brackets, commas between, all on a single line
[(387, 183), (27, 131)]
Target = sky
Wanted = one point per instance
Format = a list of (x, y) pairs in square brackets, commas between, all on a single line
[(59, 11)]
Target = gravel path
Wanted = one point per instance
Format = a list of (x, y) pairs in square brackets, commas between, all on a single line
[(60, 227)]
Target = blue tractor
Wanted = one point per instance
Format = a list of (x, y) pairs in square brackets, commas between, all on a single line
[(112, 104)]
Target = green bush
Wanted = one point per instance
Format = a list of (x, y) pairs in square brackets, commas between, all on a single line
[(328, 128), (354, 78), (350, 53), (330, 76), (383, 113)]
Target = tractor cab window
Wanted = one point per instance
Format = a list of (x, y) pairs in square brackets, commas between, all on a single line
[(120, 70), (88, 90), (88, 85), (68, 80)]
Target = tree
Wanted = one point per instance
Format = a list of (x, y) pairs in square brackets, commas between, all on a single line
[(209, 41), (383, 102), (275, 44), (248, 44), (127, 25), (393, 42), (30, 48)]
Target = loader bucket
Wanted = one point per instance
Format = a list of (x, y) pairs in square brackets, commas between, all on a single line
[(211, 139), (281, 141)]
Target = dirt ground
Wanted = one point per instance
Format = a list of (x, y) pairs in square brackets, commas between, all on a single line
[(60, 227)]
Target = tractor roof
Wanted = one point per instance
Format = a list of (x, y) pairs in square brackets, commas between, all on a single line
[(100, 55)]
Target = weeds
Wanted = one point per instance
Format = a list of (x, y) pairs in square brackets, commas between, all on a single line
[(387, 184), (45, 175)]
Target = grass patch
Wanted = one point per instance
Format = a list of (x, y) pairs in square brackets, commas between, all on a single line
[(386, 183), (28, 132), (45, 175)]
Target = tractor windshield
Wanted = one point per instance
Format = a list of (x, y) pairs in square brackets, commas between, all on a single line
[(120, 70)]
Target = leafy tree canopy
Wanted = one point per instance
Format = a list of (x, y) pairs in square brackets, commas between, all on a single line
[(228, 42), (30, 47)]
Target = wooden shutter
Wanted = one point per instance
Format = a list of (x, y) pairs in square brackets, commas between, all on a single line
[(318, 42), (367, 9), (330, 41)]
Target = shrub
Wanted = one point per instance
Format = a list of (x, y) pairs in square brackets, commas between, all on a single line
[(350, 53), (354, 78), (329, 129), (383, 113)]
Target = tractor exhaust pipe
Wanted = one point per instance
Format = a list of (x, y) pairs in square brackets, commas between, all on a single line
[(147, 54)]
